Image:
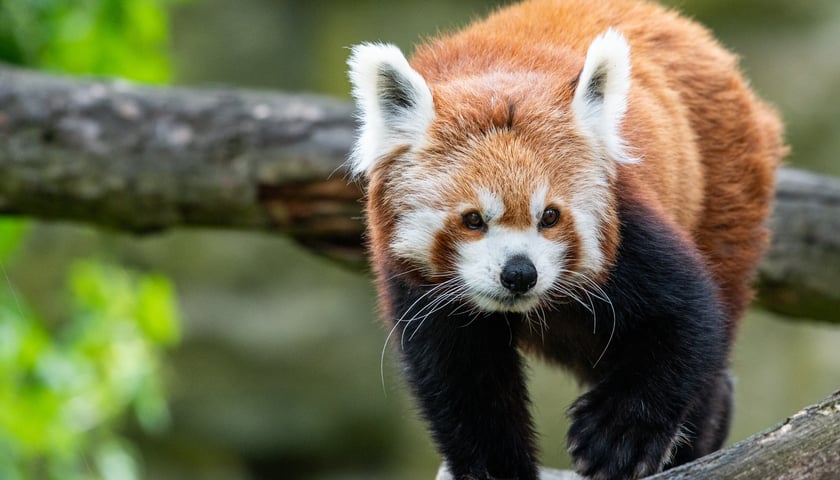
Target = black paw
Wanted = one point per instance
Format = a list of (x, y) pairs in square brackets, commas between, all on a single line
[(619, 438)]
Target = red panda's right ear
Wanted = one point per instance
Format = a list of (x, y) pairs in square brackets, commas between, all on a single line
[(393, 102), (602, 92)]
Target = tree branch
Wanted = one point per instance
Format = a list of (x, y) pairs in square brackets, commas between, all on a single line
[(142, 159), (800, 274), (805, 446)]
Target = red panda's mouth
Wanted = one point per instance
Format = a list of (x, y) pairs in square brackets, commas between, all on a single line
[(518, 302)]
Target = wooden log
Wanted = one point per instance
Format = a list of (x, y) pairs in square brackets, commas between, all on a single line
[(806, 446)]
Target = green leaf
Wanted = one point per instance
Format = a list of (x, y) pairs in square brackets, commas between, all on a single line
[(150, 406), (90, 290), (156, 311), (115, 462), (12, 231)]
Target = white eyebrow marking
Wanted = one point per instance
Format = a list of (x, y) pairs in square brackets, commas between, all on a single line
[(492, 205), (538, 202)]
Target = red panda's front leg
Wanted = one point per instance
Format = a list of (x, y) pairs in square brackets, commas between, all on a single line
[(661, 387), (467, 377)]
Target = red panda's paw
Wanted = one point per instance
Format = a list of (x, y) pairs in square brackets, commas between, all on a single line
[(618, 438)]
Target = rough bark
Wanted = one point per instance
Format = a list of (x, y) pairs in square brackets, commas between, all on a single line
[(806, 446), (142, 159), (800, 275)]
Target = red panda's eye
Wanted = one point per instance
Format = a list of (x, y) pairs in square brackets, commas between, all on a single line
[(473, 221), (550, 217)]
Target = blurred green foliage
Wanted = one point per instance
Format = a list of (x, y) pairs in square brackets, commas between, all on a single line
[(128, 38), (65, 391), (11, 233)]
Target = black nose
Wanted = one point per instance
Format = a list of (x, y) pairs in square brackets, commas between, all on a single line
[(519, 275)]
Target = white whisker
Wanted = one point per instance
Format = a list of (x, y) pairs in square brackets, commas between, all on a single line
[(433, 288), (593, 291)]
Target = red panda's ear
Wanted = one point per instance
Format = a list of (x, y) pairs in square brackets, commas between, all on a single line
[(601, 94), (394, 104)]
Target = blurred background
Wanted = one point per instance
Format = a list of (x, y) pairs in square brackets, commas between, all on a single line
[(228, 355)]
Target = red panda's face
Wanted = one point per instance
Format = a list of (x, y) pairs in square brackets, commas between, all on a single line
[(494, 188), (509, 222)]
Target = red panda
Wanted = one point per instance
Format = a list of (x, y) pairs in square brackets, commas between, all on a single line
[(584, 181)]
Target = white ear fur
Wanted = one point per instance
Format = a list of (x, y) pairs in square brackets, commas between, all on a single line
[(601, 96), (394, 103)]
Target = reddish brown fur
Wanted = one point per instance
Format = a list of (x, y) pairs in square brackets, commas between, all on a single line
[(708, 146), (514, 158), (504, 129)]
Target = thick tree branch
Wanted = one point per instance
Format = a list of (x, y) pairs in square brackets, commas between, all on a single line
[(144, 159), (800, 275), (805, 446)]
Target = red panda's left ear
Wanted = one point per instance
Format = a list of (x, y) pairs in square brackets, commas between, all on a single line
[(603, 86), (394, 104)]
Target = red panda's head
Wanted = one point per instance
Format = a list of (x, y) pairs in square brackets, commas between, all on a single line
[(499, 184)]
